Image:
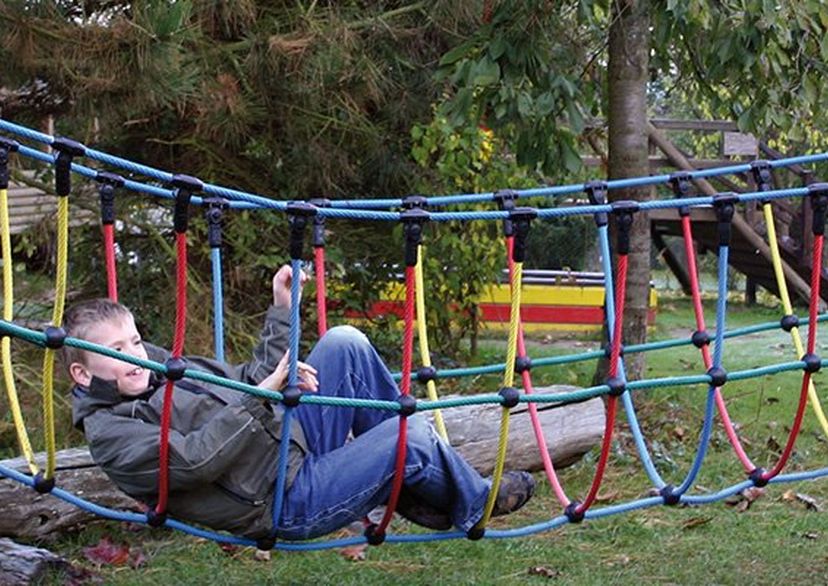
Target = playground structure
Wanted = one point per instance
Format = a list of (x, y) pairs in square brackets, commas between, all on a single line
[(185, 191)]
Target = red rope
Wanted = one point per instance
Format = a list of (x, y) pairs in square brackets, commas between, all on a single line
[(408, 351), (321, 296), (813, 309), (692, 271), (109, 255), (178, 349)]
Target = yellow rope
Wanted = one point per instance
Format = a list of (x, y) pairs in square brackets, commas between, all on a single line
[(508, 381), (5, 345), (422, 337), (786, 305)]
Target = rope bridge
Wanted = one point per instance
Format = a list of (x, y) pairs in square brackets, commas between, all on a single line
[(413, 212)]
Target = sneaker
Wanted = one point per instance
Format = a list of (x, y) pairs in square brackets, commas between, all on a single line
[(516, 488), (421, 513)]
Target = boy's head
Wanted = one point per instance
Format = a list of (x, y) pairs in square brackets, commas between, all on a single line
[(109, 324)]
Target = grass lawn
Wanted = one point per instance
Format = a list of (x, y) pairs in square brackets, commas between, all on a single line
[(778, 537)]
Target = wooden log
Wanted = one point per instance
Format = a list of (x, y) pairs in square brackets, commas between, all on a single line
[(24, 564), (570, 431)]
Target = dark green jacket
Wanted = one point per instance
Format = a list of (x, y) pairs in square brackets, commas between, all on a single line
[(224, 444)]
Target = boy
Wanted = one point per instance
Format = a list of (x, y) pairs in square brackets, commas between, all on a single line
[(224, 444)]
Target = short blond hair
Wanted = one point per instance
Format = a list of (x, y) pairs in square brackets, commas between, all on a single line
[(82, 318)]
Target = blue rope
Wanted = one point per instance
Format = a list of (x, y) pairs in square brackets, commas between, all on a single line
[(218, 304)]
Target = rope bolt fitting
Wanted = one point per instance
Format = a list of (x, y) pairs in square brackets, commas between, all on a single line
[(291, 396), (109, 182), (669, 494), (475, 533), (596, 192), (812, 362), (425, 374), (213, 214), (265, 543), (572, 513), (700, 339), (156, 519), (623, 212), (66, 149), (185, 187), (373, 535), (510, 396), (725, 204), (506, 199), (55, 337), (523, 364), (521, 219), (718, 376), (818, 193), (682, 184), (298, 214), (413, 220), (319, 222), (758, 478), (43, 485), (408, 405), (616, 385), (175, 367), (414, 202), (763, 176), (789, 322)]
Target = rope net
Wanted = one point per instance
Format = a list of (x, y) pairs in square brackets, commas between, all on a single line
[(184, 191)]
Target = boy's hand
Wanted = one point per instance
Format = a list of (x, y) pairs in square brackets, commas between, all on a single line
[(277, 379), (281, 285)]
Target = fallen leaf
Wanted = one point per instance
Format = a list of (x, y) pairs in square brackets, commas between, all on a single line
[(789, 496), (262, 555), (544, 571), (694, 522), (742, 501), (606, 496), (810, 502), (810, 535), (679, 432), (228, 548), (753, 493), (354, 553), (773, 445), (620, 560), (107, 553)]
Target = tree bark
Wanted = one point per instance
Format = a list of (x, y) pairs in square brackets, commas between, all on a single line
[(24, 564), (629, 50), (569, 430)]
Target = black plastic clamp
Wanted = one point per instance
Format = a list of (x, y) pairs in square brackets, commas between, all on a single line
[(597, 195), (413, 220), (426, 373), (408, 405), (523, 364), (175, 367), (67, 149), (298, 214), (156, 519), (758, 478), (616, 385), (475, 533), (521, 221), (373, 535), (185, 186), (623, 212), (265, 543), (55, 337), (319, 221), (812, 362), (763, 176), (700, 339), (510, 396), (789, 322), (682, 184), (42, 484), (506, 199), (108, 183), (414, 201), (669, 494), (818, 193), (572, 513), (6, 146), (291, 397), (214, 213), (718, 376), (725, 205)]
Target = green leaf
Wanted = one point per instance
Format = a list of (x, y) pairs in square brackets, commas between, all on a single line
[(486, 72), (455, 54), (497, 48), (524, 104)]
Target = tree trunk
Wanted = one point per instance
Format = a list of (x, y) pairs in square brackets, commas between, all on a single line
[(629, 49), (569, 430), (24, 564)]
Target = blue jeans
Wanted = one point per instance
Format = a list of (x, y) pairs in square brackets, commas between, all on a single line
[(340, 481)]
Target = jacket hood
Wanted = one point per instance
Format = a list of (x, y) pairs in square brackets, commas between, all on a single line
[(102, 394)]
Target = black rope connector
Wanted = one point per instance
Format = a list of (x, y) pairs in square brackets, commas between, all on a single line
[(616, 385), (669, 494), (265, 543), (818, 192), (175, 367), (725, 204), (414, 201), (523, 364), (700, 339), (185, 187), (426, 373), (319, 222), (413, 220), (812, 362), (789, 322), (718, 376), (623, 212), (521, 222), (214, 214), (156, 519), (475, 533), (763, 176), (596, 192), (55, 337), (408, 405), (67, 149), (373, 535), (298, 214), (572, 513), (757, 477), (291, 397), (109, 182), (510, 396), (6, 146), (42, 484), (682, 184), (506, 199)]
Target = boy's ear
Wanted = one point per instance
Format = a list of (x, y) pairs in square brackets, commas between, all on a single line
[(80, 374)]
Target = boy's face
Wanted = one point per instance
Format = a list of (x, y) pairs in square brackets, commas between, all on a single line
[(117, 334)]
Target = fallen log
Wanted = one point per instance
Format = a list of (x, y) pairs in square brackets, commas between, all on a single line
[(570, 431), (24, 564)]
